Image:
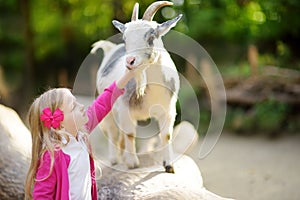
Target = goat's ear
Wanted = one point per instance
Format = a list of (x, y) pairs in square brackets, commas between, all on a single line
[(165, 27), (119, 26)]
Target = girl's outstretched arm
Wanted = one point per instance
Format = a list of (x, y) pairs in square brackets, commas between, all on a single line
[(121, 83), (104, 102)]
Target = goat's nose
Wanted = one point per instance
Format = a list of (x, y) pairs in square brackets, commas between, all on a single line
[(130, 60)]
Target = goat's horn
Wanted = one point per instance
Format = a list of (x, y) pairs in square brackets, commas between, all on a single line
[(153, 8), (135, 12)]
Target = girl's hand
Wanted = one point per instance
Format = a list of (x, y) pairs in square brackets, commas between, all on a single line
[(121, 83)]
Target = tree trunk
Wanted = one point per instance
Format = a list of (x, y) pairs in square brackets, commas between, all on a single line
[(28, 78)]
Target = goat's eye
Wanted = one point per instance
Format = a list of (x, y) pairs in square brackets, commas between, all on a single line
[(150, 40)]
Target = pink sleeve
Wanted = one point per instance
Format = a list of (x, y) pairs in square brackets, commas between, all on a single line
[(44, 187), (102, 105)]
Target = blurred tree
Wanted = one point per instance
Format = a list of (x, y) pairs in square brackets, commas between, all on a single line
[(28, 79), (12, 57), (269, 24), (41, 39)]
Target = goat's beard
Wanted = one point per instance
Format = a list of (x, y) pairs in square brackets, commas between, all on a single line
[(141, 82), (141, 77)]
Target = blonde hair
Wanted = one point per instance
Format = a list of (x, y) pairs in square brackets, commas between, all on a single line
[(43, 138)]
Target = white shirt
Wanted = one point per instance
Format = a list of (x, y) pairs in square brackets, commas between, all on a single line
[(79, 169)]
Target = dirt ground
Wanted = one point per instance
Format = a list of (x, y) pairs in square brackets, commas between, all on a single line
[(252, 167)]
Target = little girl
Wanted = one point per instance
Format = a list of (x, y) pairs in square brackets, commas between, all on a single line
[(62, 166)]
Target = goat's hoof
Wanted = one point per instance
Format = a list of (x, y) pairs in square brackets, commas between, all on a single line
[(169, 169), (113, 159), (131, 160)]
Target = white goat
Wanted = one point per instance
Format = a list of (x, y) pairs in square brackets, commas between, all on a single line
[(152, 92)]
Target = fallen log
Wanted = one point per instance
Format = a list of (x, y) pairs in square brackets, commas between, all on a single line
[(256, 89)]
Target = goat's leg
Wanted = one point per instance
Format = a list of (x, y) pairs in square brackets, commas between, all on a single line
[(128, 130), (130, 158), (166, 132)]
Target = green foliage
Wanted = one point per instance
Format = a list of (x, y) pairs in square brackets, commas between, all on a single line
[(270, 25), (62, 31), (268, 117), (56, 24), (242, 20), (240, 71), (293, 124), (11, 40)]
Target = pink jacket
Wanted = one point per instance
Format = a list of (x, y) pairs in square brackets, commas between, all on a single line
[(56, 185)]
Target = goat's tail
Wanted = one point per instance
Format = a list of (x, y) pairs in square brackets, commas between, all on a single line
[(103, 44)]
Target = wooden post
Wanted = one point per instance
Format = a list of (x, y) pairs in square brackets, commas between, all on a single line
[(253, 59), (3, 86)]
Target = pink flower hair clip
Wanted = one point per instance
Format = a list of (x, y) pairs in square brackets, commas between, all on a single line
[(52, 119)]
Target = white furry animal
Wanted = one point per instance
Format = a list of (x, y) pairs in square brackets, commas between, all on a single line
[(154, 89)]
